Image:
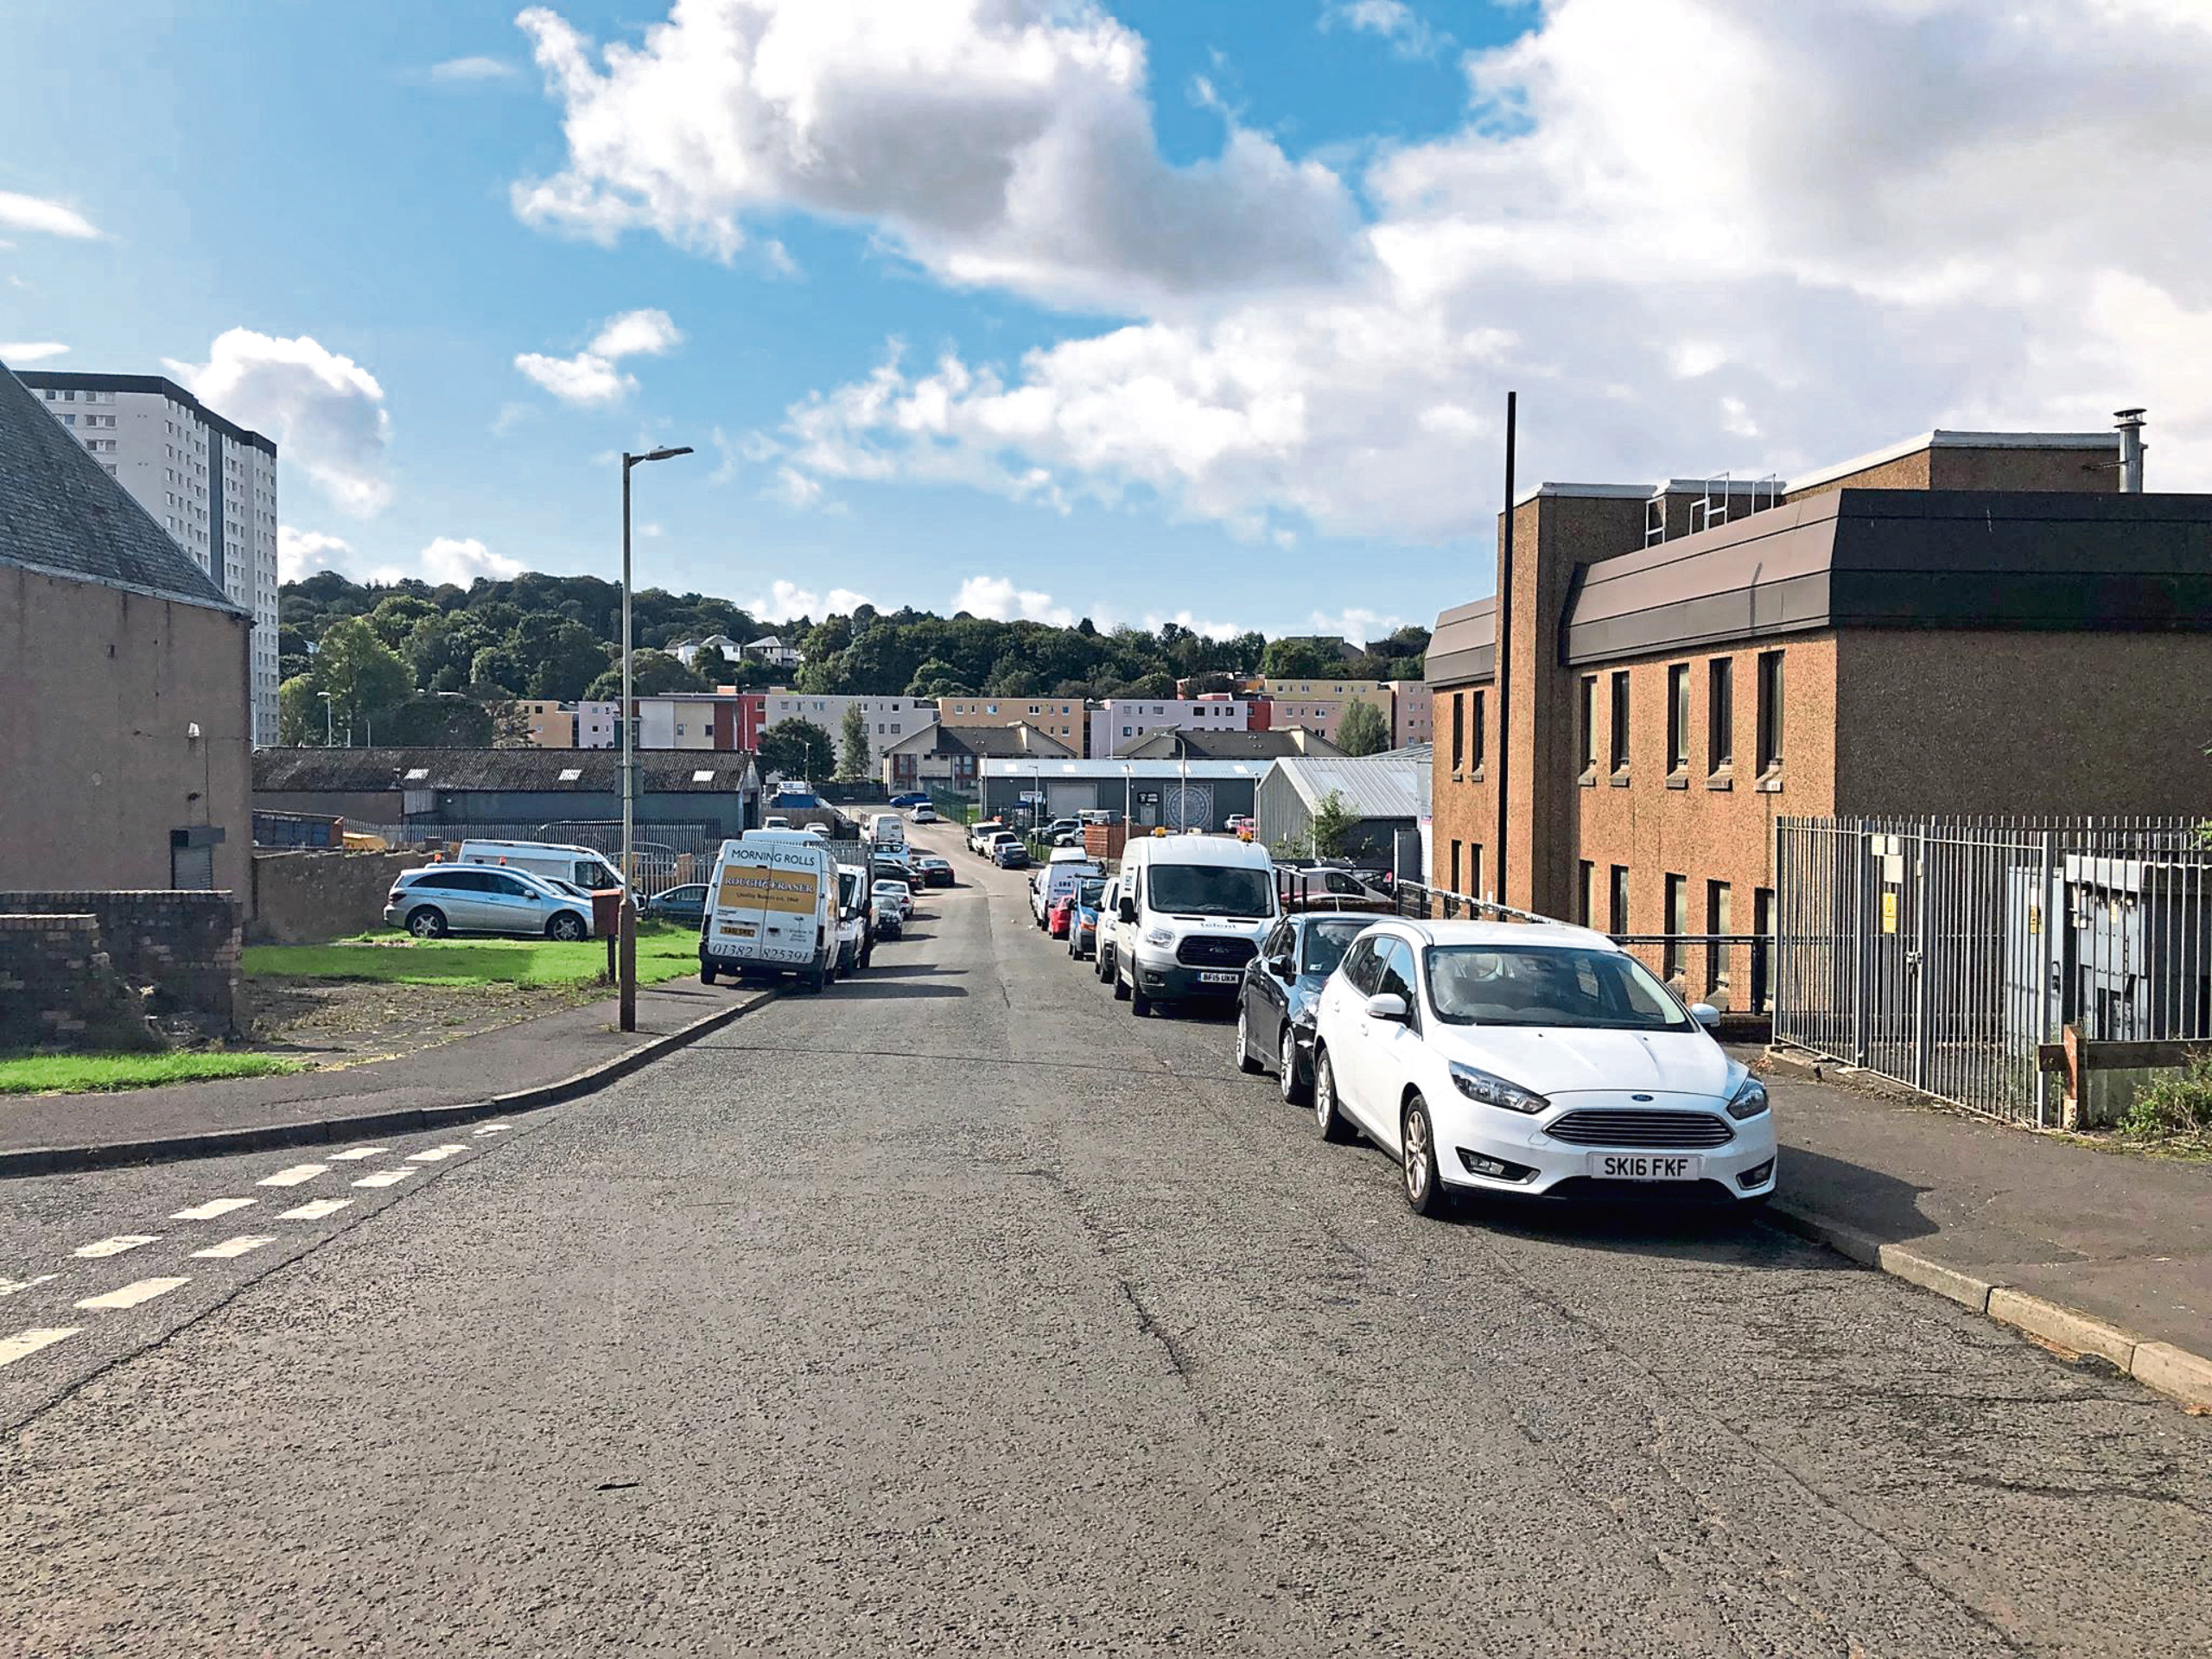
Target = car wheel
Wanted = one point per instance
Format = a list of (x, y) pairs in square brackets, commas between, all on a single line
[(1121, 988), (1417, 1159), (568, 927), (1245, 1063), (1326, 1118), (1139, 1004), (1293, 1091), (426, 923), (706, 973), (816, 980)]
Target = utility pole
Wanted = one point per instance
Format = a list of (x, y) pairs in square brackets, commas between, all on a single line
[(1504, 659), (627, 967)]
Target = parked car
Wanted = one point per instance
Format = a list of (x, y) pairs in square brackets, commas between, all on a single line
[(442, 898), (1008, 853), (581, 865), (1327, 886), (1190, 915), (1532, 1058), (1075, 918), (1059, 827), (1066, 869), (923, 812), (1102, 944), (900, 891), (856, 931), (933, 870), (1238, 823), (1282, 988), (686, 904), (887, 916), (983, 833), (911, 798)]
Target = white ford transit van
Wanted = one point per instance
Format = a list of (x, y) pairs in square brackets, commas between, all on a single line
[(1190, 913)]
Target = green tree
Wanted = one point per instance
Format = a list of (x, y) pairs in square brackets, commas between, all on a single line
[(561, 656), (1333, 825), (937, 679), (1363, 730), (393, 619), (652, 674), (1294, 660), (299, 712), (852, 745), (796, 748), (432, 720), (364, 676)]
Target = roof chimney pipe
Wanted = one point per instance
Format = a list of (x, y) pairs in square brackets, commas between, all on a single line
[(2130, 424)]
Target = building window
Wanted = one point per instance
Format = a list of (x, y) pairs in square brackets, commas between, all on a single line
[(1475, 869), (1678, 923), (1678, 719), (1588, 725), (1619, 732), (1453, 884), (1586, 893), (1718, 921), (1476, 735), (1617, 909), (1769, 712), (1719, 715)]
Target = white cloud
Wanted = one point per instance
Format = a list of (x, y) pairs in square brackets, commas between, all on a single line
[(30, 350), (590, 376), (786, 601), (1394, 20), (458, 70), (510, 416), (461, 561), (1355, 625), (1874, 217), (325, 411), (301, 553), (1002, 141), (21, 212), (1185, 619), (997, 598)]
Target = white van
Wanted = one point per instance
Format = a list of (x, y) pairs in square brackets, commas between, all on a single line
[(856, 931), (888, 830), (771, 908), (1190, 913), (580, 866), (1066, 869)]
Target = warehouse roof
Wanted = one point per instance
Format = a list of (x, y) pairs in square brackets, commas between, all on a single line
[(1160, 744), (62, 515), (584, 771), (1373, 786)]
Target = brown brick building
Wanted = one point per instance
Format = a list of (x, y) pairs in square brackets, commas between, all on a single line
[(1966, 623)]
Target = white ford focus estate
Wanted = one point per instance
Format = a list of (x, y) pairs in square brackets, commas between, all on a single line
[(1543, 1059)]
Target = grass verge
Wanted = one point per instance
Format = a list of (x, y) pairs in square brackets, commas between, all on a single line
[(36, 1074), (663, 953)]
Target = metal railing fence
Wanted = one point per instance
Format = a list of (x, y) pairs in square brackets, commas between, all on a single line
[(1943, 952)]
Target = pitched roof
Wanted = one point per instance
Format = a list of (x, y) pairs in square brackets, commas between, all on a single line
[(993, 742), (598, 771), (1373, 786), (61, 515), (1159, 744)]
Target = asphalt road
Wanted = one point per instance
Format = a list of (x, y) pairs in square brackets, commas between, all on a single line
[(958, 1311)]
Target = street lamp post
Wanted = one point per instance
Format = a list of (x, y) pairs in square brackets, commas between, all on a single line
[(329, 722), (626, 969)]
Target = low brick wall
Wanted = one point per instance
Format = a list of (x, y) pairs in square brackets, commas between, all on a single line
[(58, 989), (305, 897), (184, 945)]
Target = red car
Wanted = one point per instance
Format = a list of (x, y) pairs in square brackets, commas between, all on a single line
[(1056, 919)]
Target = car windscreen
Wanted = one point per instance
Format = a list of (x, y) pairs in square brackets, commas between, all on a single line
[(1089, 893), (848, 888), (1210, 890), (1326, 943), (1500, 985)]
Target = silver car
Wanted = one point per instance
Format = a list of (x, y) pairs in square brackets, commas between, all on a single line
[(483, 899)]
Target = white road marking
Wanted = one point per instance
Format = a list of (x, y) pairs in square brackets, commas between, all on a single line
[(434, 1154), (384, 1178), (25, 1343), (294, 1176), (232, 1247), (491, 1129), (315, 1211), (130, 1295), (10, 1286), (115, 1246), (212, 1209), (353, 1154)]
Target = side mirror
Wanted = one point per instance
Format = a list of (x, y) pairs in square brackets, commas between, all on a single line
[(1706, 1014), (1388, 1006), (1127, 913), (1283, 968)]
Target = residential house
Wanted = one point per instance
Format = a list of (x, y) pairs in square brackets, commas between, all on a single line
[(950, 757)]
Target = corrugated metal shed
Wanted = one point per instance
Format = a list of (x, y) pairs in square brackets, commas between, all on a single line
[(1383, 790)]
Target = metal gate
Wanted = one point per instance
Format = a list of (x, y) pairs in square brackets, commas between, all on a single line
[(1942, 952)]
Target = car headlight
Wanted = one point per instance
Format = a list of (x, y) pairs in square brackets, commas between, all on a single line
[(1493, 1090), (1159, 937), (1749, 1100)]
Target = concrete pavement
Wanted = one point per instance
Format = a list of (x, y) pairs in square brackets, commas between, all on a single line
[(959, 1311)]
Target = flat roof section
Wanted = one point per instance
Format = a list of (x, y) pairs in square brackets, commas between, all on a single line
[(1960, 559)]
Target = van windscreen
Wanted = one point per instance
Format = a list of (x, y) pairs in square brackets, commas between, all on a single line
[(1210, 890)]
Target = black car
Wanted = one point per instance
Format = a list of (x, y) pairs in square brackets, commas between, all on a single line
[(687, 905), (1274, 1006)]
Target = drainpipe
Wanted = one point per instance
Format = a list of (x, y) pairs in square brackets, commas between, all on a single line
[(2129, 422), (1504, 655)]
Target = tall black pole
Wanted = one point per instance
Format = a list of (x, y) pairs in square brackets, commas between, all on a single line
[(1504, 655)]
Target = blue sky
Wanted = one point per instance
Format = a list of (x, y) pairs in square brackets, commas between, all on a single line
[(1232, 346)]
